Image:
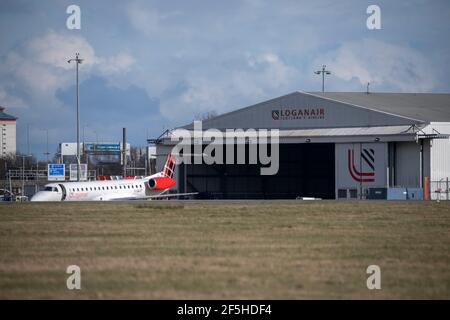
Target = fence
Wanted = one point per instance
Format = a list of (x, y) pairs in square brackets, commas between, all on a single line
[(32, 175), (440, 190)]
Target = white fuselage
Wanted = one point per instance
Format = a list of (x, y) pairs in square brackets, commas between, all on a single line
[(98, 190)]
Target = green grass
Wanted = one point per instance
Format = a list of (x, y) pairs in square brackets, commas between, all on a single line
[(225, 250)]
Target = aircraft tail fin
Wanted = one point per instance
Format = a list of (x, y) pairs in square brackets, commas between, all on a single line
[(169, 167)]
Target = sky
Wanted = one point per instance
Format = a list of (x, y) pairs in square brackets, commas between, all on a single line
[(155, 65)]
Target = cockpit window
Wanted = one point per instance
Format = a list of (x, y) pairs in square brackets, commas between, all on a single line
[(52, 189)]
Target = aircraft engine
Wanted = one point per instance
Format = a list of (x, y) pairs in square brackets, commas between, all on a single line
[(161, 183)]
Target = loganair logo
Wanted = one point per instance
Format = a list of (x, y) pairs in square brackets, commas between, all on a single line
[(275, 114), (298, 113), (368, 156)]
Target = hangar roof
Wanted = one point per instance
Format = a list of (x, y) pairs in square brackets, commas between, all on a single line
[(317, 110), (427, 107), (5, 116)]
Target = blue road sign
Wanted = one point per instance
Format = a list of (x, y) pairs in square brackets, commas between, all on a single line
[(56, 171)]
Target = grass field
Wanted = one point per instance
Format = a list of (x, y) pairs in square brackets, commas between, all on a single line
[(225, 250)]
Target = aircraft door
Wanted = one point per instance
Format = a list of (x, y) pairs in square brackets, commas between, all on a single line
[(63, 190)]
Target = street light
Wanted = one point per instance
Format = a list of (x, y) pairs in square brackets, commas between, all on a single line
[(323, 72), (78, 61)]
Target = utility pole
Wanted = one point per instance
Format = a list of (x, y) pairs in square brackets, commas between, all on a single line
[(78, 61), (323, 72), (23, 170), (46, 150), (83, 133), (124, 151), (28, 138), (96, 136)]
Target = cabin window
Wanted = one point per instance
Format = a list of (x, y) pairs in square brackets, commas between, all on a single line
[(116, 187), (78, 189)]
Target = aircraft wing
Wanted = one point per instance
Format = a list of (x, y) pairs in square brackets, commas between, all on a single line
[(170, 195), (156, 196)]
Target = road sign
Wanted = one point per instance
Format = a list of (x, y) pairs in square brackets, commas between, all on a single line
[(56, 172), (114, 147), (73, 172)]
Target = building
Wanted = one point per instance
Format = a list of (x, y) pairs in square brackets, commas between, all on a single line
[(331, 146), (8, 140)]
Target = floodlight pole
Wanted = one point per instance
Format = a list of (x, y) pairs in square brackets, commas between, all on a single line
[(323, 72), (78, 61)]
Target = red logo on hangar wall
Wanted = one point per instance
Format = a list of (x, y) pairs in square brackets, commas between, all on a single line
[(368, 155), (298, 113)]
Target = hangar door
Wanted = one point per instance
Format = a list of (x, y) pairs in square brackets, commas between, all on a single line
[(305, 170)]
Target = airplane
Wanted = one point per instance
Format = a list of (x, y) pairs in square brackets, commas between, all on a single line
[(150, 187)]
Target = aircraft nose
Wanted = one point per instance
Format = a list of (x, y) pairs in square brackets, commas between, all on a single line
[(38, 197)]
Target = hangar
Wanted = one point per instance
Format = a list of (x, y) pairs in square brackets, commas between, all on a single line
[(332, 145)]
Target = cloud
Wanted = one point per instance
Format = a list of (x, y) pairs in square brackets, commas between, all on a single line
[(33, 72), (143, 19), (54, 49), (116, 64), (11, 100), (252, 78), (106, 109), (385, 65), (40, 65), (199, 56)]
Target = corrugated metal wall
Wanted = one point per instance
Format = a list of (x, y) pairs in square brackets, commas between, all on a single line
[(407, 164), (440, 154)]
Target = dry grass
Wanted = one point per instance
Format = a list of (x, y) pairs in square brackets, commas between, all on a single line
[(221, 250)]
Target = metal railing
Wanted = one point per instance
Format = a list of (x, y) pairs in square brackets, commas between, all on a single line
[(440, 190), (26, 175), (32, 175)]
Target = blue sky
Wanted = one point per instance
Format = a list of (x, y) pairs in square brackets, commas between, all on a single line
[(153, 65)]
